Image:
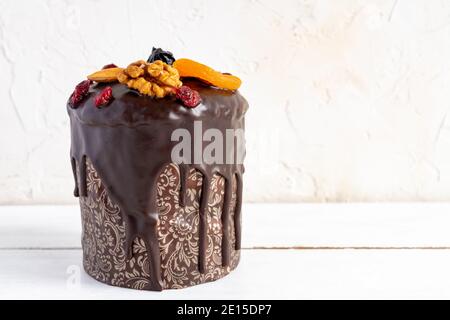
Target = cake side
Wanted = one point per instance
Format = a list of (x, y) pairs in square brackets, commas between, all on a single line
[(104, 233)]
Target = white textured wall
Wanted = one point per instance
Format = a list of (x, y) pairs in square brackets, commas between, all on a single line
[(349, 99)]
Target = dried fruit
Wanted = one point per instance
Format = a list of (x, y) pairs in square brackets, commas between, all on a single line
[(190, 68), (105, 75), (104, 97), (109, 66), (81, 91), (160, 54), (189, 97)]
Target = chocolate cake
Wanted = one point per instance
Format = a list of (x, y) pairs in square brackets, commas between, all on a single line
[(152, 220)]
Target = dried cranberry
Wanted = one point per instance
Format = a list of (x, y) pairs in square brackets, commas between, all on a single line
[(189, 97), (80, 92), (109, 66), (104, 97), (160, 54)]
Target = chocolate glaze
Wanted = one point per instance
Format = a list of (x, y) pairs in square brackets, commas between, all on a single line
[(129, 142)]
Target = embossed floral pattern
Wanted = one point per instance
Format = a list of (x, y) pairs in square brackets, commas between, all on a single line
[(103, 234)]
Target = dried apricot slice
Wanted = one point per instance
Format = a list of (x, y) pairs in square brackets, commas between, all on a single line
[(190, 68)]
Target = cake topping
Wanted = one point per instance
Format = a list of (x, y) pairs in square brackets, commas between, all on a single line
[(105, 75), (160, 76), (160, 54), (134, 71), (104, 97), (190, 68), (81, 91), (189, 97), (155, 79)]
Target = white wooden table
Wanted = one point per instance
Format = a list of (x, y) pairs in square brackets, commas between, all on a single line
[(291, 251)]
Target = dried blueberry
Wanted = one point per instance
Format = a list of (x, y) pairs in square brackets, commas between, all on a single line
[(160, 54)]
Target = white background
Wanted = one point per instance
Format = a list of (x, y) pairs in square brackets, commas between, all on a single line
[(349, 99)]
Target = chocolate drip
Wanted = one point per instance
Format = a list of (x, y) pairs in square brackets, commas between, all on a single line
[(184, 173), (149, 235), (237, 212), (129, 143), (76, 192), (130, 235), (203, 225), (226, 222), (82, 183)]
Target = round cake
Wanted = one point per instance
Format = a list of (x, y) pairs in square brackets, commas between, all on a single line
[(157, 151)]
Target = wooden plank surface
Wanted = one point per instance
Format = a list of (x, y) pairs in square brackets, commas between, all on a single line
[(263, 274), (264, 225), (41, 258)]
